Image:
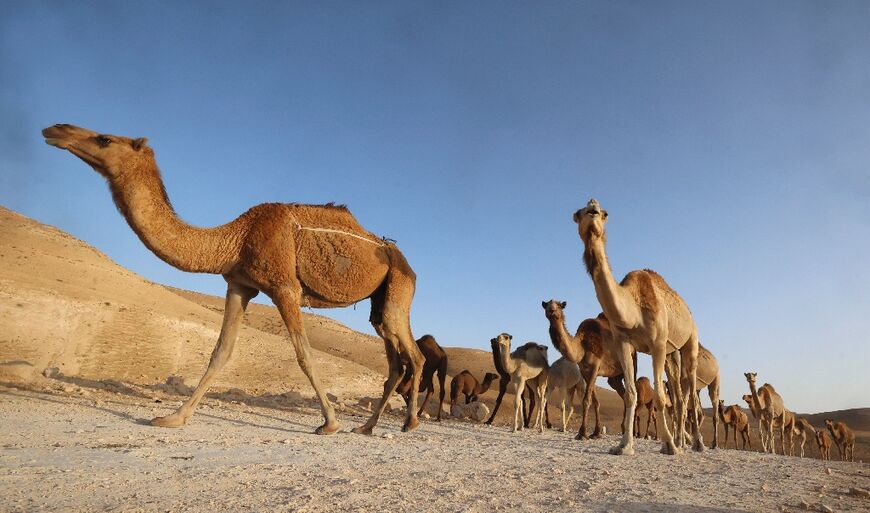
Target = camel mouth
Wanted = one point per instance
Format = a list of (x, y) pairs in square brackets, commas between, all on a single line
[(56, 142)]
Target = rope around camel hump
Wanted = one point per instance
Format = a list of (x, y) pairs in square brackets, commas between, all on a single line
[(382, 242)]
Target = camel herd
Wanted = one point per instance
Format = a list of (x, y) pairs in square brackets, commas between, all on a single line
[(320, 256)]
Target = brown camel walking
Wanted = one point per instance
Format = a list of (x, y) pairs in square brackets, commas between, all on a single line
[(843, 437), (734, 418), (313, 255), (645, 399), (824, 443), (435, 361), (466, 384)]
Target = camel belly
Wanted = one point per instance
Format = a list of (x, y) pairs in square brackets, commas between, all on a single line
[(339, 269)]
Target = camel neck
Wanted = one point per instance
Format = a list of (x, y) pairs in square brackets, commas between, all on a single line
[(570, 347), (756, 401), (146, 208), (618, 305), (506, 361), (487, 382)]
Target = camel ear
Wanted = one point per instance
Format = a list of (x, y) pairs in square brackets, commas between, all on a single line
[(544, 304), (139, 143), (603, 214), (564, 304), (576, 217)]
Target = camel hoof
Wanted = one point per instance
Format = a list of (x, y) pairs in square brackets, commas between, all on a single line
[(328, 428), (669, 448), (581, 436), (169, 421), (698, 446), (621, 450), (411, 425), (362, 430), (596, 435)]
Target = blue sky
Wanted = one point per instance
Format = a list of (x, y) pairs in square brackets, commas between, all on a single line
[(730, 143)]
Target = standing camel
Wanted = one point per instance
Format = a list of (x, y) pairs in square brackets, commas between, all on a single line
[(648, 315), (525, 364), (708, 377), (802, 428), (734, 417), (313, 255), (564, 380), (594, 350), (435, 361), (505, 380), (824, 443), (756, 414), (645, 399), (466, 384), (843, 437), (772, 411)]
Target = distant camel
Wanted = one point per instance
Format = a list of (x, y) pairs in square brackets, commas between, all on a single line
[(505, 381), (525, 364), (824, 443), (772, 411), (708, 377), (734, 418), (565, 380), (593, 349), (436, 360), (645, 399), (802, 428), (843, 437), (466, 384)]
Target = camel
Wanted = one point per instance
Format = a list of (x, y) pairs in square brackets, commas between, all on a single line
[(644, 313), (802, 428), (564, 380), (824, 443), (756, 414), (466, 384), (646, 399), (843, 437), (734, 418), (525, 364), (435, 361), (504, 381), (593, 349), (771, 412), (312, 255), (708, 377)]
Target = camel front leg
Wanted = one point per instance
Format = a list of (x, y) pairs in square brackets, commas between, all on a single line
[(689, 354), (541, 392), (237, 300), (519, 414), (589, 378), (288, 302), (713, 392), (502, 389), (430, 389), (626, 445)]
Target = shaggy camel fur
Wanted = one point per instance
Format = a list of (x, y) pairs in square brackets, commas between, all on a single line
[(708, 377), (734, 418), (504, 381), (647, 314), (564, 381), (466, 384), (824, 443), (525, 364), (802, 428), (843, 437), (310, 255), (593, 349), (646, 396), (436, 361), (772, 412)]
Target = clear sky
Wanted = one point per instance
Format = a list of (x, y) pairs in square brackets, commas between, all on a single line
[(729, 141)]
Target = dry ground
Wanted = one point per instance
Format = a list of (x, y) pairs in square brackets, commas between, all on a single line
[(90, 450)]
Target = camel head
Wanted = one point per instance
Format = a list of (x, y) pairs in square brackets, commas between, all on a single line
[(750, 377), (489, 377), (503, 340), (553, 309), (110, 155), (748, 399), (590, 221), (829, 423)]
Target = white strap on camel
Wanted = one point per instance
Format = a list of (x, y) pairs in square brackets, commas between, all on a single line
[(340, 232)]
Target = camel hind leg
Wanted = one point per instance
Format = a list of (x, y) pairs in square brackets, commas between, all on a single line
[(626, 445), (502, 390), (689, 354), (442, 377), (713, 392), (659, 357), (237, 300)]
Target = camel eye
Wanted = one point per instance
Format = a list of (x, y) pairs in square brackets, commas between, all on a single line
[(103, 141)]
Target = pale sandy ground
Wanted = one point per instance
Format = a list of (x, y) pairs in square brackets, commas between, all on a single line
[(89, 450)]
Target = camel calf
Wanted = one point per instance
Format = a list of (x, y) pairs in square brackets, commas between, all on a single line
[(801, 428), (734, 418), (645, 399), (843, 437), (466, 384), (824, 443)]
